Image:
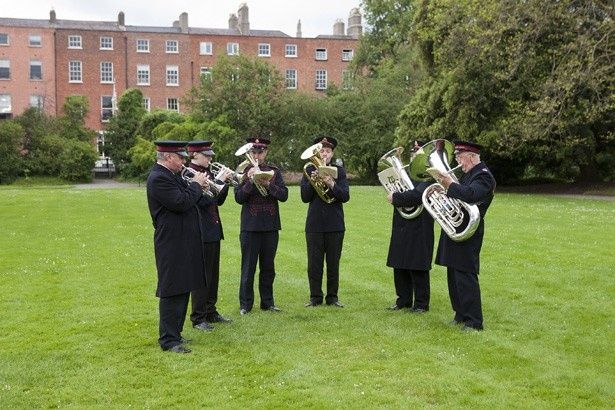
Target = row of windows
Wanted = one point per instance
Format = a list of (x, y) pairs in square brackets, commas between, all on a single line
[(320, 80), (6, 107), (172, 47), (107, 106), (36, 70)]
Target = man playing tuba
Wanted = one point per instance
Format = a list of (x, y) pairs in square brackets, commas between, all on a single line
[(324, 225), (461, 259)]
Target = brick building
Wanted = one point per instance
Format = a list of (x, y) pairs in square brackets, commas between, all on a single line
[(44, 61)]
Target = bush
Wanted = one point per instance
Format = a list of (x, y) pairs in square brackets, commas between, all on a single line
[(77, 160), (11, 135)]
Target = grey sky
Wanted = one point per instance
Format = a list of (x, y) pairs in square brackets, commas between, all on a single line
[(317, 16)]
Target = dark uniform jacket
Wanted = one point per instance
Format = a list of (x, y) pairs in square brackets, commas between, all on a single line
[(177, 236), (321, 216), (411, 245), (261, 213), (211, 225), (476, 187)]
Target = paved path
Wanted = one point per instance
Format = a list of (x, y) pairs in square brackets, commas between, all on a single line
[(108, 184)]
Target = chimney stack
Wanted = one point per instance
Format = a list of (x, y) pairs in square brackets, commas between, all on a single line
[(52, 16), (355, 29), (120, 19), (299, 34), (183, 22), (232, 22), (244, 20), (338, 28)]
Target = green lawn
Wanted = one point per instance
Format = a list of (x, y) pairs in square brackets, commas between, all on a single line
[(79, 317)]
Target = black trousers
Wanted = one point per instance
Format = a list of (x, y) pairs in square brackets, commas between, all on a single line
[(204, 299), (464, 291), (258, 247), (172, 316), (412, 284), (323, 246)]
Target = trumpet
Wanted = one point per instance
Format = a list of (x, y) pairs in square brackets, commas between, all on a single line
[(258, 175), (220, 170), (211, 189)]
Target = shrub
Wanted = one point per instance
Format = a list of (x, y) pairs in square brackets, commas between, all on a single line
[(11, 135)]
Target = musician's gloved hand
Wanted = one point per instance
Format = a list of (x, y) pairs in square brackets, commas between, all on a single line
[(201, 179)]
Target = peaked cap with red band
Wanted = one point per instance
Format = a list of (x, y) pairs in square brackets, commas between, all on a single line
[(326, 141), (204, 147), (176, 147), (258, 143), (464, 146)]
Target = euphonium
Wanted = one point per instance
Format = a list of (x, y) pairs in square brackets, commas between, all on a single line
[(258, 175), (211, 190), (458, 219), (313, 155), (394, 178)]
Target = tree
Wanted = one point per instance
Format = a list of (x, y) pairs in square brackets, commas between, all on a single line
[(122, 129), (11, 135)]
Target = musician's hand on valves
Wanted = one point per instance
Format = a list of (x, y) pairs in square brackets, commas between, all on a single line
[(328, 180), (201, 179), (224, 175), (390, 197), (251, 172)]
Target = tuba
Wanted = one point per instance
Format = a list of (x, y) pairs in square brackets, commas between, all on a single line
[(211, 190), (394, 178), (458, 219), (259, 175), (313, 155)]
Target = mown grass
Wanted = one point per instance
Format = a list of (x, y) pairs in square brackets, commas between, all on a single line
[(79, 316)]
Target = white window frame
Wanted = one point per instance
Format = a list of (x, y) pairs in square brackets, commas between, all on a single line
[(35, 40), (143, 68), (37, 101), (206, 48), (264, 50), (75, 42), (106, 72), (171, 46), (290, 51), (147, 104), (170, 100), (8, 39), (232, 49), (172, 75), (321, 79), (347, 79), (108, 109), (106, 43), (347, 54), (75, 71), (5, 63), (205, 71), (321, 54), (142, 45), (290, 79), (35, 63), (6, 108)]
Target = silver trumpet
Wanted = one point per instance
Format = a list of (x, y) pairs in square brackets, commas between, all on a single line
[(458, 219), (258, 175), (219, 169), (212, 189)]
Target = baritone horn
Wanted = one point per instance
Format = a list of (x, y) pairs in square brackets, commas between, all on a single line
[(394, 178), (458, 219), (322, 189), (258, 175)]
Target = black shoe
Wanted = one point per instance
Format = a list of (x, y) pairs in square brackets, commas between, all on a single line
[(418, 310), (272, 309), (455, 322), (311, 303), (179, 349), (243, 312), (185, 341), (394, 307), (337, 303), (204, 326), (470, 329), (218, 318)]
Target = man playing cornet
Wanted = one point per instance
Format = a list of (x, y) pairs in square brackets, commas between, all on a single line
[(258, 194), (204, 299)]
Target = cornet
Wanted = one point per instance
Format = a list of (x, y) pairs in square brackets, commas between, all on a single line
[(259, 175), (211, 189), (219, 170)]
